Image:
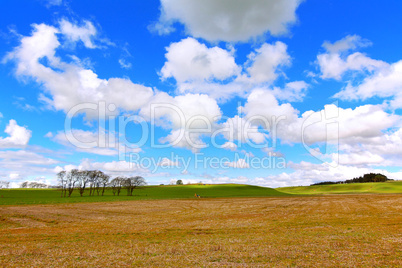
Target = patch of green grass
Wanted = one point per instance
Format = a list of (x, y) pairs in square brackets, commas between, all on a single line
[(52, 196), (352, 188)]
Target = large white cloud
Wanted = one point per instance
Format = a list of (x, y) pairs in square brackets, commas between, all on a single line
[(189, 60), (68, 85), (18, 136), (213, 70), (228, 20), (330, 124), (386, 83), (337, 60)]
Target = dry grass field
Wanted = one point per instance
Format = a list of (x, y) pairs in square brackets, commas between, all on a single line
[(315, 231)]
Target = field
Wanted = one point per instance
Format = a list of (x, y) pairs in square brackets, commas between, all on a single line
[(52, 196), (375, 187), (310, 231)]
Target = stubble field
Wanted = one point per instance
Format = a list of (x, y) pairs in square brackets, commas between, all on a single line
[(314, 231)]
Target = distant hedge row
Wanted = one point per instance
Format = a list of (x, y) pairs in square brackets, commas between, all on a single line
[(370, 177)]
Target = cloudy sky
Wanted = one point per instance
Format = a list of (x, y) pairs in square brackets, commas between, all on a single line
[(264, 92)]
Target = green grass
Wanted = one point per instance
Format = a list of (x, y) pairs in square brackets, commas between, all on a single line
[(52, 196), (352, 188)]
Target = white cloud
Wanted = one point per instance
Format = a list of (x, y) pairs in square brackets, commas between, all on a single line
[(292, 92), (240, 163), (71, 84), (330, 124), (240, 129), (228, 20), (334, 66), (213, 71), (349, 42), (75, 33), (115, 168), (265, 62), (166, 162), (124, 64), (229, 146), (18, 136), (93, 142), (190, 60), (337, 60), (22, 164), (385, 83), (187, 115), (24, 157)]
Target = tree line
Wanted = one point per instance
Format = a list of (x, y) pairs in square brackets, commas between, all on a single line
[(96, 181), (370, 177)]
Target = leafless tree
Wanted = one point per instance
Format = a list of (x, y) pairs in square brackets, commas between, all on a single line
[(133, 182), (104, 181), (62, 178), (4, 184), (94, 180), (37, 185), (72, 179), (117, 184), (24, 184), (82, 180)]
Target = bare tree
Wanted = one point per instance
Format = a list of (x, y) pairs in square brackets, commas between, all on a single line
[(72, 178), (62, 178), (82, 180), (104, 180), (24, 184), (37, 185), (117, 184), (133, 182), (4, 184), (33, 184), (94, 179)]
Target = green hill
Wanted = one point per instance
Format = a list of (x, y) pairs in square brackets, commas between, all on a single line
[(374, 187), (52, 196)]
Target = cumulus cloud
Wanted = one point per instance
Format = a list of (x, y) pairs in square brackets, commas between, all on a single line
[(242, 130), (265, 62), (228, 20), (75, 33), (337, 60), (213, 70), (189, 60), (94, 142), (21, 164), (386, 83), (18, 136), (67, 85), (328, 125)]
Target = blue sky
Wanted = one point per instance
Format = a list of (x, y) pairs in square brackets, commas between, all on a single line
[(271, 93)]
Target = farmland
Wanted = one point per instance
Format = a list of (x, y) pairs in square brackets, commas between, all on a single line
[(316, 231), (352, 188), (52, 196)]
